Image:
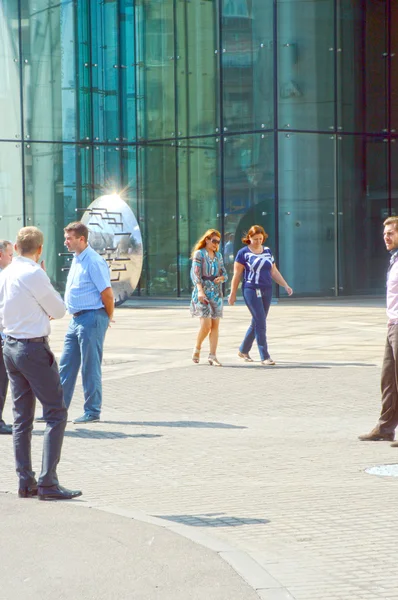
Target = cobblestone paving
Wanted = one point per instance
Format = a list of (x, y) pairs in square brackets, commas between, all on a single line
[(264, 458)]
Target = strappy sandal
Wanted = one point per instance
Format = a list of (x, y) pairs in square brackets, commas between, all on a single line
[(213, 361), (246, 357), (196, 355)]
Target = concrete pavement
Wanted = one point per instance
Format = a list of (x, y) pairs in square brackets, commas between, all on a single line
[(263, 460)]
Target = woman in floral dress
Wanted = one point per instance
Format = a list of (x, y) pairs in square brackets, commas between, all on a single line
[(208, 274)]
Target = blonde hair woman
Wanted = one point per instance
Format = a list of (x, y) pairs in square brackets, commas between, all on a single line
[(208, 274)]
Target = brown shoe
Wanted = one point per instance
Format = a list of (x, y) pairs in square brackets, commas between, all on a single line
[(376, 436), (394, 445)]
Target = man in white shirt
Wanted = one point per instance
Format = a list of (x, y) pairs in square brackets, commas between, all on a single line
[(27, 302), (6, 254), (388, 421)]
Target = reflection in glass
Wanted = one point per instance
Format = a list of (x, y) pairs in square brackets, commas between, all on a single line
[(307, 216), (247, 64), (107, 176), (306, 64), (56, 178), (11, 206), (249, 189), (105, 71), (198, 198), (49, 74), (10, 117), (159, 190), (363, 201), (127, 70), (197, 73), (155, 69)]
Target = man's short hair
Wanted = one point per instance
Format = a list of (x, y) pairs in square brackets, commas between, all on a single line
[(29, 239), (78, 229), (4, 245), (391, 221)]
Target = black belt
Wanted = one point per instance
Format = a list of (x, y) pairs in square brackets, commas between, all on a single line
[(81, 312), (209, 277), (34, 340)]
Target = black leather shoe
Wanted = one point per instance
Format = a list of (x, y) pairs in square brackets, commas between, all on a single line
[(28, 492), (57, 492), (5, 429)]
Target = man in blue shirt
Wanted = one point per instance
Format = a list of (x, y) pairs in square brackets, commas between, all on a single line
[(89, 299)]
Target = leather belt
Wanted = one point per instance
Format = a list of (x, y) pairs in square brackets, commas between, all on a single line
[(81, 312), (34, 340)]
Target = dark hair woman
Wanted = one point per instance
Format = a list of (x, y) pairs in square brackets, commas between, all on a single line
[(256, 263), (207, 274)]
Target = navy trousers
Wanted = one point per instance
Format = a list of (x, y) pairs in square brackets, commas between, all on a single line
[(259, 307), (33, 373)]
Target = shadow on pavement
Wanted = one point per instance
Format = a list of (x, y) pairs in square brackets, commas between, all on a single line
[(212, 520), (280, 366), (101, 435), (194, 424)]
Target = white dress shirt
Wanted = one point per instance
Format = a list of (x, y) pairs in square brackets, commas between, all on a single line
[(392, 292), (27, 300)]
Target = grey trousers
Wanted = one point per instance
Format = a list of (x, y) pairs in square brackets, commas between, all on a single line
[(33, 373), (3, 383), (389, 383)]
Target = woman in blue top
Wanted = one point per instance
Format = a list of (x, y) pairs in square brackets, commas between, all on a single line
[(257, 264), (207, 274)]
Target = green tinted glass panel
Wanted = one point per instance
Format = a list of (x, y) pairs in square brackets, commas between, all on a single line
[(127, 70), (155, 69), (57, 183), (105, 71), (307, 212), (363, 206), (10, 107), (158, 187), (197, 68), (247, 64), (198, 198), (362, 40), (306, 55), (11, 206), (394, 68), (107, 170), (249, 190), (49, 70)]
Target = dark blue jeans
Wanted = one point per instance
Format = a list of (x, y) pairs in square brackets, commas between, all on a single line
[(259, 308)]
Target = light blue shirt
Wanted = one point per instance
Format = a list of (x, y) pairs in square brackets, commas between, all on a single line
[(89, 275)]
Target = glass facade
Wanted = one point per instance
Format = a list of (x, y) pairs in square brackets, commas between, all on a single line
[(206, 113)]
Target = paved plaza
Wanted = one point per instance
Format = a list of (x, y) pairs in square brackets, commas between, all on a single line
[(257, 467)]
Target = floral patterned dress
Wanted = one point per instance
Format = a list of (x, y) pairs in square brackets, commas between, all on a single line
[(204, 266)]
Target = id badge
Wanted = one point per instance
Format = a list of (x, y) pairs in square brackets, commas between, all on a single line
[(258, 293)]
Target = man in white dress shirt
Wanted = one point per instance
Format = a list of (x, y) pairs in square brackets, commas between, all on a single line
[(388, 421), (6, 254), (27, 302)]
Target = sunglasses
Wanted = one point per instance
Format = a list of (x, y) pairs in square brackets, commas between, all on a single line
[(215, 241)]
